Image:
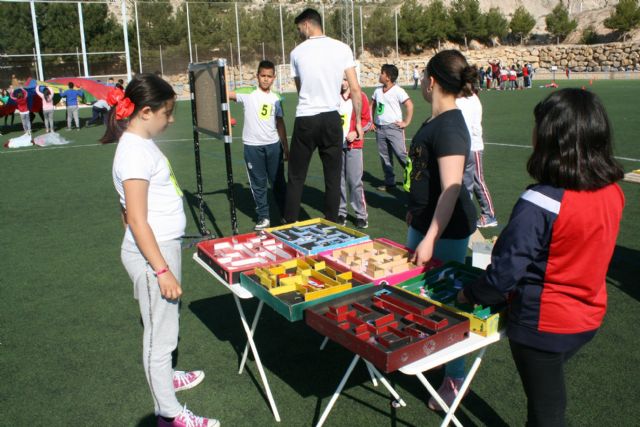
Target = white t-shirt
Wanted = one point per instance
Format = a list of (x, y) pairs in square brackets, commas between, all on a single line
[(260, 112), (139, 158), (345, 111), (416, 74), (389, 104), (471, 109), (320, 63)]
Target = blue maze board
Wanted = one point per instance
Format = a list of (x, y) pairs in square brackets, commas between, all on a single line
[(316, 235)]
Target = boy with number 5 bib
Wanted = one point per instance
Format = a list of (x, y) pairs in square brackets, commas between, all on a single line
[(265, 142), (388, 123)]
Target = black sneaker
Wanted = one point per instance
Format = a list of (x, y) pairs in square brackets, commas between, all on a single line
[(342, 220), (362, 223)]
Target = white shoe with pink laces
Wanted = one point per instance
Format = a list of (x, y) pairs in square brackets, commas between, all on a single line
[(185, 380)]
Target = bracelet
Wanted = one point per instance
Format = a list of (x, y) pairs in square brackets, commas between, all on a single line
[(161, 271)]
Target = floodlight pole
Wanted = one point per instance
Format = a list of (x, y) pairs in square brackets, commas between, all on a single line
[(189, 32), (284, 60), (36, 38), (83, 44), (361, 34), (395, 17), (125, 35), (238, 39), (135, 11)]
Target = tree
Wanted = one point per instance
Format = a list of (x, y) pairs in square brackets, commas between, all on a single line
[(496, 24), (438, 21), (411, 26), (380, 32), (558, 23), (625, 18), (522, 22), (468, 20)]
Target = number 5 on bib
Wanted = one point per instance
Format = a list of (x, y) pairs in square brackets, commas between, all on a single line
[(265, 111)]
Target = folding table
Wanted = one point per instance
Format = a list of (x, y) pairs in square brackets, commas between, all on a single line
[(239, 293), (473, 343)]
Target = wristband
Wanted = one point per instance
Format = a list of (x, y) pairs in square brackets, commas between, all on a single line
[(161, 271)]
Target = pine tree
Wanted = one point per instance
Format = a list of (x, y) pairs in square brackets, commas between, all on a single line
[(522, 22), (558, 23), (625, 18), (496, 24)]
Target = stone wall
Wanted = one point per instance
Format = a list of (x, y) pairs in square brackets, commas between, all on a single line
[(611, 57)]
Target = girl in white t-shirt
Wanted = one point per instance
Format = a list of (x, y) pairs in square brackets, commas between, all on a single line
[(154, 219)]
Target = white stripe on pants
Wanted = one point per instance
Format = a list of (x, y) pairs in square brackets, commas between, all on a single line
[(474, 181), (72, 110), (161, 321)]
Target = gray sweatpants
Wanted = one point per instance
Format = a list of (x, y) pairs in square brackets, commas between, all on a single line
[(73, 111), (473, 179), (351, 181), (48, 119), (160, 319), (26, 121), (390, 139)]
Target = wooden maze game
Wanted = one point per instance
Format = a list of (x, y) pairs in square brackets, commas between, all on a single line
[(380, 261), (387, 327), (291, 286), (316, 235), (441, 286), (230, 256)]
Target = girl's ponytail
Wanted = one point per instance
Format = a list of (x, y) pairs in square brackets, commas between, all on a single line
[(144, 90)]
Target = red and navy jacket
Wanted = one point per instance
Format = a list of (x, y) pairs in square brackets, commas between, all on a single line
[(550, 264)]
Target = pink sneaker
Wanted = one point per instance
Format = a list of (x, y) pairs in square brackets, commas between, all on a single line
[(188, 419), (185, 380), (448, 391)]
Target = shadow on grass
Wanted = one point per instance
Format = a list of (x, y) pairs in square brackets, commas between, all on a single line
[(624, 270), (148, 421), (287, 350)]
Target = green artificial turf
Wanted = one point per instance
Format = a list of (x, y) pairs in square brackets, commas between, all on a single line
[(70, 336)]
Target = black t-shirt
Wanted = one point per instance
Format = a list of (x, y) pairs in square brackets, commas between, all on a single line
[(445, 135)]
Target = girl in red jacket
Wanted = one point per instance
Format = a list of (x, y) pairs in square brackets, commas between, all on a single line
[(352, 163), (21, 99), (550, 262)]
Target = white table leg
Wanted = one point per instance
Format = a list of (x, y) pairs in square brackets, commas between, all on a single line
[(464, 387), (374, 380), (346, 376), (324, 343), (437, 397), (245, 325), (398, 400), (254, 325)]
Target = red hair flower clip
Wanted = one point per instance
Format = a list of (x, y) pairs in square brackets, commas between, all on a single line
[(124, 108)]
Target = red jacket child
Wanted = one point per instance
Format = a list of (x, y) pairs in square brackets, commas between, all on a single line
[(365, 121)]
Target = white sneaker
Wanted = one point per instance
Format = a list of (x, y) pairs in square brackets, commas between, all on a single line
[(262, 224)]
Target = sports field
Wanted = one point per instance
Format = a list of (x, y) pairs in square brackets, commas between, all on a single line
[(70, 335)]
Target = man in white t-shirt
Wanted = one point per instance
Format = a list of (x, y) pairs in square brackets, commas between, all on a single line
[(416, 77), (389, 124), (317, 66), (265, 142)]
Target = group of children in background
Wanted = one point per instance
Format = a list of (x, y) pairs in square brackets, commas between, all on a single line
[(72, 96), (500, 77)]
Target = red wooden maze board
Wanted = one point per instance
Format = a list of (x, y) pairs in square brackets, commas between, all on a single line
[(387, 327), (230, 256)]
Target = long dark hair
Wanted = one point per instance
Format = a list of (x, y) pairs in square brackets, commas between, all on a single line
[(144, 90), (47, 94), (573, 146), (452, 72)]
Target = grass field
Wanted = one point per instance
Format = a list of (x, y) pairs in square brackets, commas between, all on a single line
[(70, 336)]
